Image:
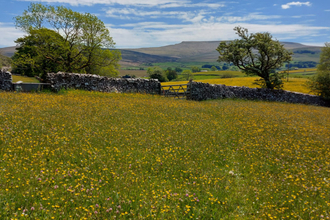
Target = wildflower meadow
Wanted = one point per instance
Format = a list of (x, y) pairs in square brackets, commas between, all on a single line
[(90, 155)]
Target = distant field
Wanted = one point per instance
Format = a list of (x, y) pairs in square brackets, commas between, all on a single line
[(91, 155), (294, 84), (24, 79), (303, 70), (221, 73)]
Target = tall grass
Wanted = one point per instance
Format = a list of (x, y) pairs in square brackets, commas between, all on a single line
[(88, 155)]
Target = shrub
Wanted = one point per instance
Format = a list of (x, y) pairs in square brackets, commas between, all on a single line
[(157, 73), (320, 84)]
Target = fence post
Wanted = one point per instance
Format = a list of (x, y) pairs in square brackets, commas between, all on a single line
[(189, 88)]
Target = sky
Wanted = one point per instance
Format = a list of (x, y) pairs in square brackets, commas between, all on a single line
[(155, 23)]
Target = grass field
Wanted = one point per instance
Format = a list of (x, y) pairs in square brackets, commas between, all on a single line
[(294, 84), (24, 79), (88, 155), (302, 73)]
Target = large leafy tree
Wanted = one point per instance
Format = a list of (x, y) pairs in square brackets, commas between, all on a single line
[(320, 83), (79, 42), (256, 54), (39, 52)]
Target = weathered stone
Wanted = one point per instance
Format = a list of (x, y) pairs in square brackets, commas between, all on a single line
[(5, 81), (204, 91), (100, 83)]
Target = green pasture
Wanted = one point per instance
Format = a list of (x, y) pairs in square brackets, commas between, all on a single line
[(90, 155), (24, 79)]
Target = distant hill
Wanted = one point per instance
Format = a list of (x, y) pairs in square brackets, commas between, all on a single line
[(140, 57), (205, 51), (193, 51), (8, 51)]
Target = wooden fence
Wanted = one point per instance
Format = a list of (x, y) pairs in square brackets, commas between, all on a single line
[(176, 91)]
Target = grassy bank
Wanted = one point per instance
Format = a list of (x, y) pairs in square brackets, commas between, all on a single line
[(98, 156)]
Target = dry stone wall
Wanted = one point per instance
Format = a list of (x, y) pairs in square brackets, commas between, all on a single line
[(5, 81), (203, 91), (102, 84)]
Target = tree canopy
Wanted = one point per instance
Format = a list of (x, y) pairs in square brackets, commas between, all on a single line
[(320, 83), (195, 69), (157, 73), (187, 74), (60, 39), (256, 54), (171, 74), (325, 58)]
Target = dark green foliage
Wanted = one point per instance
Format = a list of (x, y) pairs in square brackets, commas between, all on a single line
[(225, 67), (157, 73), (304, 51), (195, 69), (178, 69), (38, 53), (210, 67), (307, 64), (256, 54), (325, 58), (320, 83), (73, 44), (171, 74)]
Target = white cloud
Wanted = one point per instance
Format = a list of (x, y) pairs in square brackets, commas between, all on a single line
[(249, 17), (190, 5), (8, 35), (288, 5), (150, 34), (135, 14), (145, 3)]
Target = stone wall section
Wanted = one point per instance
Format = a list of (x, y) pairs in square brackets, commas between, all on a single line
[(5, 81), (101, 83), (203, 91)]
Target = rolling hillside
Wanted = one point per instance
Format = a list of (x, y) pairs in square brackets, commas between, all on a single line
[(205, 51), (8, 51), (193, 51)]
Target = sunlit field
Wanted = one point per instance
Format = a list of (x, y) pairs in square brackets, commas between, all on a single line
[(293, 85), (89, 155), (24, 79)]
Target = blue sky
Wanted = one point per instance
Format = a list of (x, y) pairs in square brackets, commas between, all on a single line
[(154, 23)]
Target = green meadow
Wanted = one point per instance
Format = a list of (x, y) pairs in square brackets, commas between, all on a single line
[(90, 155)]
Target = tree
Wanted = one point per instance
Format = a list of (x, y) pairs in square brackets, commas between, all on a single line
[(39, 52), (256, 54), (188, 74), (195, 69), (80, 41), (157, 73), (320, 83), (324, 58), (178, 69), (213, 68), (171, 74)]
